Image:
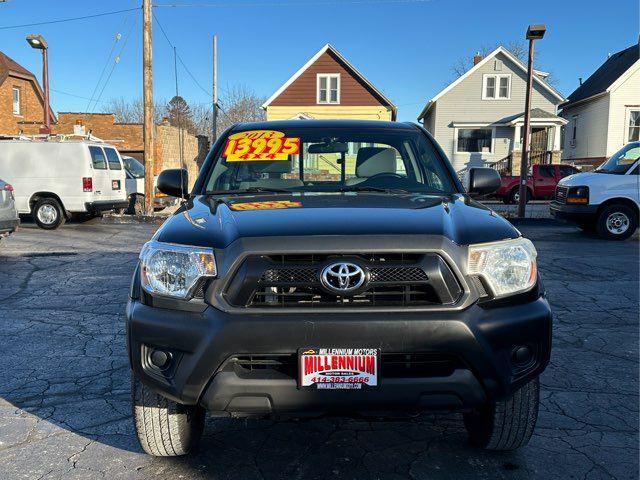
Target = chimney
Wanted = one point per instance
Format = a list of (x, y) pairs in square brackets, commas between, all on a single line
[(477, 58), (165, 121), (580, 80)]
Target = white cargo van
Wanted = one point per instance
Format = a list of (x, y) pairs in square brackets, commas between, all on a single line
[(606, 200), (54, 179)]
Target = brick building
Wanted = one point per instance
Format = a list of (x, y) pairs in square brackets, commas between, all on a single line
[(21, 98)]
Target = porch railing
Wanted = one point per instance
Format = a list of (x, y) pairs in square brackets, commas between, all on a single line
[(505, 165)]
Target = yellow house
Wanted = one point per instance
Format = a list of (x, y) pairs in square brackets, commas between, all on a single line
[(328, 86)]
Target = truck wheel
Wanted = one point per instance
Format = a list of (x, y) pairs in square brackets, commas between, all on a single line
[(617, 222), (136, 205), (164, 428), (48, 213), (514, 196), (507, 424)]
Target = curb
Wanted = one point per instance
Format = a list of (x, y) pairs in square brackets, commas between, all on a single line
[(132, 219)]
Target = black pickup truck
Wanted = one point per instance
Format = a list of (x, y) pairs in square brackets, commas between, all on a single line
[(334, 267)]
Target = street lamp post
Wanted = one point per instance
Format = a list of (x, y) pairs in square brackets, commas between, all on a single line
[(534, 32), (39, 43)]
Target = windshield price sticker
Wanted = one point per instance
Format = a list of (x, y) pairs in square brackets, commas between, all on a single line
[(255, 145), (275, 204), (339, 368)]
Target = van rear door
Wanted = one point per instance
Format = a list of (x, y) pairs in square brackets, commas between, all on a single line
[(117, 189), (101, 180)]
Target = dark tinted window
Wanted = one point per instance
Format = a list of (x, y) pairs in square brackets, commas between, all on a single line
[(547, 171), (113, 159), (566, 170), (98, 158)]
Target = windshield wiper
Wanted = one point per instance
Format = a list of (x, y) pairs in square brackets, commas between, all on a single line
[(249, 190), (356, 188)]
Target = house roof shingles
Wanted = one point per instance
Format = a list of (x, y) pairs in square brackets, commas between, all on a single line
[(8, 65), (606, 75)]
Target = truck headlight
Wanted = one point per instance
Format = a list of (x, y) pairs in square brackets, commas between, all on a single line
[(508, 266), (174, 270)]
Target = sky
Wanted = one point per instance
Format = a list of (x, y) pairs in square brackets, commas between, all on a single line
[(406, 48)]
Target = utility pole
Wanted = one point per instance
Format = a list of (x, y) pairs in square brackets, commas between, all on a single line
[(147, 95), (214, 115)]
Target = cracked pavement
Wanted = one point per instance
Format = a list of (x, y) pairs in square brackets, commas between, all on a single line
[(64, 388)]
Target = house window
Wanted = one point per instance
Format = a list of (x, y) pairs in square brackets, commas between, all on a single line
[(474, 140), (496, 87), (633, 132), (574, 131), (329, 88), (16, 100)]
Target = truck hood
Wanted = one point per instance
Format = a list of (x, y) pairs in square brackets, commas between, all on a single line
[(216, 222)]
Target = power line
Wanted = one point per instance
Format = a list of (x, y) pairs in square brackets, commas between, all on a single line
[(62, 20), (116, 61), (286, 4), (106, 64), (195, 80)]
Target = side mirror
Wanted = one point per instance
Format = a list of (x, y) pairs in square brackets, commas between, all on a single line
[(174, 182), (483, 180)]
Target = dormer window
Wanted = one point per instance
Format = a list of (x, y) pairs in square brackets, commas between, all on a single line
[(328, 88), (496, 87)]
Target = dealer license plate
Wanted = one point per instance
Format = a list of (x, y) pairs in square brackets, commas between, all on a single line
[(338, 368)]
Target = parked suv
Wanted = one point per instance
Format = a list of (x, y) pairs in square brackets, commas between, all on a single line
[(606, 200), (334, 267), (9, 220)]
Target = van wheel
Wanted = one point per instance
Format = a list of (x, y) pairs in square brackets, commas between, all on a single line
[(164, 428), (617, 222), (507, 424), (48, 213)]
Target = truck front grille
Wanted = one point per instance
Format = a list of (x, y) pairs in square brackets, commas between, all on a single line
[(392, 365), (293, 281), (561, 194)]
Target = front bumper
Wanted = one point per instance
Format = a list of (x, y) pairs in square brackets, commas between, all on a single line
[(575, 213), (9, 226), (202, 343)]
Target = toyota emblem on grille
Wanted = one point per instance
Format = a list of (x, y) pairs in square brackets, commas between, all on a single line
[(343, 277)]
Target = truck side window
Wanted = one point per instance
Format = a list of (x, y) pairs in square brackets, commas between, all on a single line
[(112, 157), (98, 158), (566, 170), (546, 171)]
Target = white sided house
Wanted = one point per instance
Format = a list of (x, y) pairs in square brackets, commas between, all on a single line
[(603, 113), (478, 118)]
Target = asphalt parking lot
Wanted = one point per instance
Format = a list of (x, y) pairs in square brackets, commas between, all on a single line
[(64, 387)]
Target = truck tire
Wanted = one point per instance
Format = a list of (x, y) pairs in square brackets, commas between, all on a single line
[(514, 196), (136, 205), (617, 222), (48, 213), (506, 424), (164, 428)]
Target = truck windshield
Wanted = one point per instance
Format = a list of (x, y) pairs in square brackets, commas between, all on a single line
[(622, 160), (133, 167), (314, 159)]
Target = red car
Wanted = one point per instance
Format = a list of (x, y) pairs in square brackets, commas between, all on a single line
[(541, 182)]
